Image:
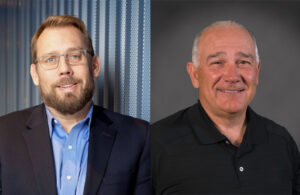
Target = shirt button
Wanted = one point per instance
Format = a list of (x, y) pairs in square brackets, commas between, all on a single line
[(55, 121), (68, 177), (70, 147), (227, 142), (241, 169)]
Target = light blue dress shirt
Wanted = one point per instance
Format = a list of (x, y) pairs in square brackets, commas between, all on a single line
[(70, 153)]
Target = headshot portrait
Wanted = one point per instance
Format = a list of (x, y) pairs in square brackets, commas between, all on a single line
[(224, 140), (274, 24), (75, 97)]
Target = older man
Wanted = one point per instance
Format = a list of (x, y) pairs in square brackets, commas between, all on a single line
[(220, 145), (68, 145)]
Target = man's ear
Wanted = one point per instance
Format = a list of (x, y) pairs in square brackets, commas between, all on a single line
[(193, 72), (34, 74), (96, 66), (258, 70)]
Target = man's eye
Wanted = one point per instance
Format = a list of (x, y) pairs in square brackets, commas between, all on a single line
[(50, 59), (216, 62), (244, 62), (75, 56)]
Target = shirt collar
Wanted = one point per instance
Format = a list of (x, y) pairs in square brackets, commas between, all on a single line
[(256, 132), (51, 118), (202, 125), (207, 132)]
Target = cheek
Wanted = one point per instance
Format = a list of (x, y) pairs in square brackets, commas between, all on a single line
[(251, 77), (86, 76), (44, 85), (46, 81), (211, 77), (206, 74), (82, 72)]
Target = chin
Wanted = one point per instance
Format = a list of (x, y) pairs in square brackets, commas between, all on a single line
[(233, 108)]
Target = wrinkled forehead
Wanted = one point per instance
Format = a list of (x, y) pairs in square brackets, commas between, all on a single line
[(219, 36)]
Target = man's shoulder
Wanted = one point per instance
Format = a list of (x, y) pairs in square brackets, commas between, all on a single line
[(16, 122), (174, 119), (274, 129), (120, 118), (123, 123), (17, 117), (280, 139), (172, 127)]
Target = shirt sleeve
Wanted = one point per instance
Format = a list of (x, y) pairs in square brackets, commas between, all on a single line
[(295, 158), (0, 180)]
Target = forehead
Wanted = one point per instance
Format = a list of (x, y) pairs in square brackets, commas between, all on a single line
[(226, 39), (59, 39)]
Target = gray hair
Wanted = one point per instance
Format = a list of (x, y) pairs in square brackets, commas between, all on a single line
[(220, 23)]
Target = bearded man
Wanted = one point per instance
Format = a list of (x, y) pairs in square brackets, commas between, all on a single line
[(67, 145)]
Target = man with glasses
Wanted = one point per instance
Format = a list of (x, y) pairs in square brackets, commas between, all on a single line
[(67, 145)]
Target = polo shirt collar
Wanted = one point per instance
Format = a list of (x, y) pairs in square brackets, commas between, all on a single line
[(207, 133), (203, 126), (256, 132)]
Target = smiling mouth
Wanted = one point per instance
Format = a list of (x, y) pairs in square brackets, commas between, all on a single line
[(67, 86), (231, 91)]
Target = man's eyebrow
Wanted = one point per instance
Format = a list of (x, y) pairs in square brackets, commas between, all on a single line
[(73, 48), (55, 52), (214, 55), (244, 55)]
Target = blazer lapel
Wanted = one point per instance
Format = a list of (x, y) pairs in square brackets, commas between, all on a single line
[(40, 150), (102, 137)]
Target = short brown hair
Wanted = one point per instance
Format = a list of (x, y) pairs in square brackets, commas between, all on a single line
[(61, 21)]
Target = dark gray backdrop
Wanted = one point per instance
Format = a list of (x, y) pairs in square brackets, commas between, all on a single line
[(276, 25)]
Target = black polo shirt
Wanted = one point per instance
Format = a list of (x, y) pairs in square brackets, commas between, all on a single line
[(190, 156)]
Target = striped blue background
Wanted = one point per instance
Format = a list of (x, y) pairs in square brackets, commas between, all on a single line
[(120, 31)]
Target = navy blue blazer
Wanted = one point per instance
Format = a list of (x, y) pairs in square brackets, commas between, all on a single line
[(118, 155)]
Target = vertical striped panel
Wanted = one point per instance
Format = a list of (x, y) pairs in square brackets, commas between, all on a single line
[(69, 7), (27, 58), (11, 62), (120, 32), (133, 59), (54, 10), (145, 56), (61, 9), (101, 79), (94, 33), (122, 60), (21, 59), (38, 20), (144, 61), (76, 7), (111, 57), (127, 57), (84, 11), (3, 55)]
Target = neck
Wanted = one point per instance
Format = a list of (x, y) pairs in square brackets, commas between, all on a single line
[(68, 121), (231, 125)]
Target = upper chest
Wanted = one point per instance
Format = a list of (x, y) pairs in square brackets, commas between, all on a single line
[(219, 167)]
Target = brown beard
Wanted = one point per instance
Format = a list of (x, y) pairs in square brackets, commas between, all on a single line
[(70, 103)]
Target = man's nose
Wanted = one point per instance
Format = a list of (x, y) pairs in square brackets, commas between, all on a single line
[(232, 73), (63, 67)]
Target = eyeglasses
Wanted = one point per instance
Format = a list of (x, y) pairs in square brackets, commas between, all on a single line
[(73, 58)]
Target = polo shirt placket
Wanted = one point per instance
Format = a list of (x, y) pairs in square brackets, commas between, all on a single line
[(191, 156)]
